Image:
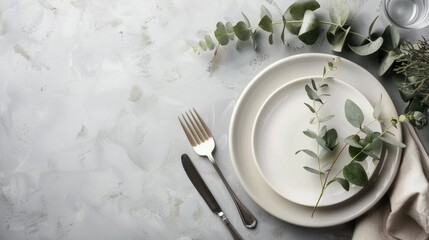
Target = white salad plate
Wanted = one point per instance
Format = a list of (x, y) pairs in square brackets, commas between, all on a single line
[(278, 135), (245, 115)]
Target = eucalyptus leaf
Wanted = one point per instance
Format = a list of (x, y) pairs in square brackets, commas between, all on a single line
[(372, 155), (353, 140), (367, 130), (309, 31), (252, 35), (387, 61), (312, 94), (230, 30), (310, 107), (339, 12), (313, 84), (353, 113), (209, 42), (327, 118), (313, 170), (242, 31), (344, 183), (357, 153), (292, 25), (391, 38), (373, 141), (308, 152), (337, 39), (265, 12), (282, 36), (203, 45), (296, 12), (377, 108), (310, 134), (371, 26), (369, 48), (355, 173), (392, 141), (298, 8), (221, 34), (323, 130), (331, 139), (266, 24)]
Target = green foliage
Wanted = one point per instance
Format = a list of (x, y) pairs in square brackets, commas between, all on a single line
[(364, 144), (413, 65), (300, 19)]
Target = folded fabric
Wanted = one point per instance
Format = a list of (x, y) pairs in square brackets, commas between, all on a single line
[(404, 212)]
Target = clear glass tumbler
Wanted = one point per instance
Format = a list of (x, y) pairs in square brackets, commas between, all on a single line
[(408, 14)]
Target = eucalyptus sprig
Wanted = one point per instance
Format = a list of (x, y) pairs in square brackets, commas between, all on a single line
[(325, 138), (300, 19), (361, 145)]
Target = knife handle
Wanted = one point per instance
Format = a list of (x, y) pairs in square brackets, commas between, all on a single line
[(231, 228)]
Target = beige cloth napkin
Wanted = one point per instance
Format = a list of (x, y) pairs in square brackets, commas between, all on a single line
[(404, 212)]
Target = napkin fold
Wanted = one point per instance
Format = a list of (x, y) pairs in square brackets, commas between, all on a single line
[(404, 212)]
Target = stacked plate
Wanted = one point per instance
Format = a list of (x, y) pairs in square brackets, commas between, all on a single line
[(267, 129)]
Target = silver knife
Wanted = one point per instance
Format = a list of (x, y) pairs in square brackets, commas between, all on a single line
[(204, 191)]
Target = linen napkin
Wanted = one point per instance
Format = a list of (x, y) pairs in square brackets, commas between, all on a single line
[(404, 212)]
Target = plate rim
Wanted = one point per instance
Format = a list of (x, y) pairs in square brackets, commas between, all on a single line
[(322, 57)]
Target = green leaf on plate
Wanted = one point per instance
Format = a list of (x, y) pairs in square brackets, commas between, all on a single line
[(392, 141), (310, 107), (353, 140), (308, 152), (310, 134), (344, 183), (331, 138), (377, 108), (372, 141), (353, 113), (313, 170), (355, 173), (327, 118), (312, 94), (357, 153)]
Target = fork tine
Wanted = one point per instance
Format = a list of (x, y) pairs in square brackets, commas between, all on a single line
[(187, 132), (207, 130), (196, 127), (191, 127), (201, 125)]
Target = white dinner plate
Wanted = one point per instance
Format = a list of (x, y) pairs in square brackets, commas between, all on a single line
[(245, 115), (278, 135)]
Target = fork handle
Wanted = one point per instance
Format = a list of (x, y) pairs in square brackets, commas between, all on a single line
[(247, 217)]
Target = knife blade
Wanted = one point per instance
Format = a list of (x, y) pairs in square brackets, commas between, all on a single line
[(206, 194)]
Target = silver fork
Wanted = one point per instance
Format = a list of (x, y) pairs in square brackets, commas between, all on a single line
[(203, 143)]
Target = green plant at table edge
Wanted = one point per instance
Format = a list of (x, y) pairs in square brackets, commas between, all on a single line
[(301, 20), (361, 145)]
